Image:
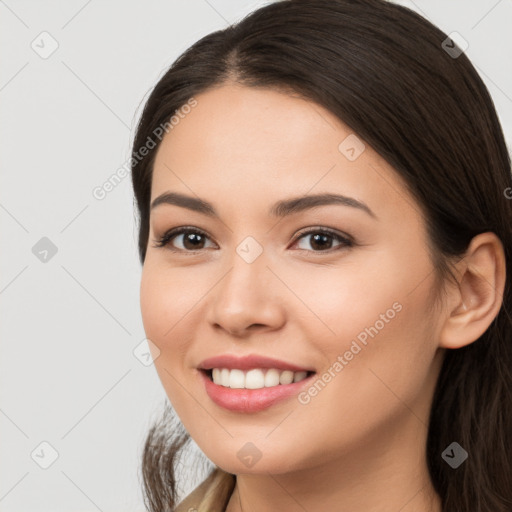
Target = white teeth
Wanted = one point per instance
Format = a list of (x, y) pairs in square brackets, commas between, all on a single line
[(271, 378), (224, 377), (256, 378), (236, 379), (286, 377), (298, 376)]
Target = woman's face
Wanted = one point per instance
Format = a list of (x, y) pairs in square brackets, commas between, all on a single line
[(272, 282)]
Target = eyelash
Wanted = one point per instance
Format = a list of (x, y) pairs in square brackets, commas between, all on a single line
[(346, 241)]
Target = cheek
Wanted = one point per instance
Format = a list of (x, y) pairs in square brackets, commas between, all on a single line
[(165, 300), (343, 300), (164, 306), (376, 319), (152, 303)]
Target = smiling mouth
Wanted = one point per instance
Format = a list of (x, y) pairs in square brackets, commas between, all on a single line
[(256, 378)]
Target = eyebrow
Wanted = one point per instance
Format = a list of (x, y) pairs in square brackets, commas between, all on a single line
[(282, 208)]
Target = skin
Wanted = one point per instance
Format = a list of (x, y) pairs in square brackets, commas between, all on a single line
[(358, 445)]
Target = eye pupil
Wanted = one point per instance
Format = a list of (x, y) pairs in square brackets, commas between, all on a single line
[(192, 238), (321, 240)]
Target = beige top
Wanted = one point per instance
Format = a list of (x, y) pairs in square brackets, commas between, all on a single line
[(212, 495)]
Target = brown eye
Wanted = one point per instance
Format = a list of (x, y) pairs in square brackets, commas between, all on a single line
[(321, 240), (190, 239)]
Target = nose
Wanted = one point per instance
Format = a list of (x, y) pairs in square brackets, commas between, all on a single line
[(249, 297)]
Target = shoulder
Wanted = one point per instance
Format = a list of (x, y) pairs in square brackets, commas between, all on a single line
[(211, 495)]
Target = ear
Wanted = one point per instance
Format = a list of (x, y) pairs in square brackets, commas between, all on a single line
[(476, 301)]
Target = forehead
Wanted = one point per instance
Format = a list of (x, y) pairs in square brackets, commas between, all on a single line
[(266, 145)]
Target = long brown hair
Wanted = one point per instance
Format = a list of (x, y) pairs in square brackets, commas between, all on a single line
[(387, 73)]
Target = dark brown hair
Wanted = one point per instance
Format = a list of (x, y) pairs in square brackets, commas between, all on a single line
[(384, 71)]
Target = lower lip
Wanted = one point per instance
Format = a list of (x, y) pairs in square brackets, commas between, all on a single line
[(250, 400)]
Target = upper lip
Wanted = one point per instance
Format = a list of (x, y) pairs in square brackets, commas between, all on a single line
[(249, 362)]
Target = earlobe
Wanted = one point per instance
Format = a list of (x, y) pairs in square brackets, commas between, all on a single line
[(473, 305)]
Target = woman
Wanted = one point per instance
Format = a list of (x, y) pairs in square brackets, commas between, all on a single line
[(325, 228)]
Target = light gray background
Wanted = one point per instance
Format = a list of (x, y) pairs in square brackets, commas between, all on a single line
[(69, 326)]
